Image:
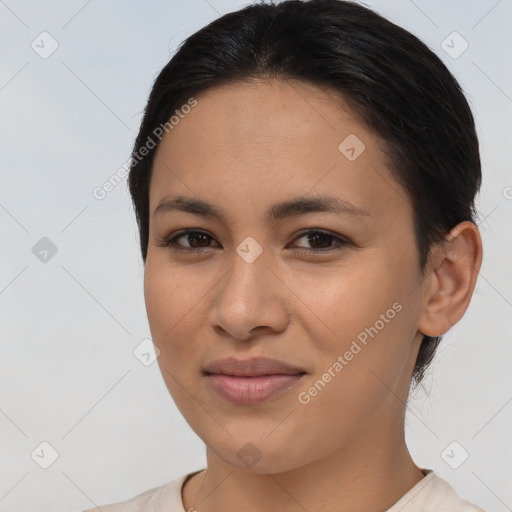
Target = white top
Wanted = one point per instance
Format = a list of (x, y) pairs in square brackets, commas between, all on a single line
[(432, 494)]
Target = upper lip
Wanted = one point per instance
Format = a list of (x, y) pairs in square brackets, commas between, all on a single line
[(252, 367)]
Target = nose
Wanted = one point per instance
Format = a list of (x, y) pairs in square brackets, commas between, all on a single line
[(251, 299)]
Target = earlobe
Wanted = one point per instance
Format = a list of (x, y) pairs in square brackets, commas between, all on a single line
[(451, 280)]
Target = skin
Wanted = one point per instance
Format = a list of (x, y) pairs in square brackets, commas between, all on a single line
[(245, 147)]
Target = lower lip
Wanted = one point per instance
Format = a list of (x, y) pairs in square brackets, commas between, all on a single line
[(251, 390)]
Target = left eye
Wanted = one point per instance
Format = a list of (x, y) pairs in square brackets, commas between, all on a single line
[(322, 238), (197, 239)]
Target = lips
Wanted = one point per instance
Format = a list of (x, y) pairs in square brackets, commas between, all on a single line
[(253, 367), (251, 381)]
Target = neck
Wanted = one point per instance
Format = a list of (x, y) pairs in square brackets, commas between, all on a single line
[(370, 474)]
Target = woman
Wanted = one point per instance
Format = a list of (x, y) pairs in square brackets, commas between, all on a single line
[(304, 182)]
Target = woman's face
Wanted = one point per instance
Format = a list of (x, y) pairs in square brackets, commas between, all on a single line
[(340, 307)]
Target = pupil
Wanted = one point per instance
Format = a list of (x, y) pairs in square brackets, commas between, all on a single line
[(319, 235), (195, 236)]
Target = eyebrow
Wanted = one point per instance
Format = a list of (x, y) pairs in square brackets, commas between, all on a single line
[(278, 211)]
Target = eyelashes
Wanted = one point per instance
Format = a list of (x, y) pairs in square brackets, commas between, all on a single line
[(313, 236)]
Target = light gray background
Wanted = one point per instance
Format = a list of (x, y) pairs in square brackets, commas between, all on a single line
[(68, 327)]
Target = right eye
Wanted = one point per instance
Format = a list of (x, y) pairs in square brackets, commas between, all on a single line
[(195, 239)]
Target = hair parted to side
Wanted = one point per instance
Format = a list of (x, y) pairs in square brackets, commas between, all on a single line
[(398, 88)]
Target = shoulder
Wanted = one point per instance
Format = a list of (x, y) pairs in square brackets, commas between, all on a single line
[(433, 494), (165, 498), (443, 498), (136, 504)]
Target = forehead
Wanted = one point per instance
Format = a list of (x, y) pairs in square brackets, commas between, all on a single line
[(260, 141), (265, 115)]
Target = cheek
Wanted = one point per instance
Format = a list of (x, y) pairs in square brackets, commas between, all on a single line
[(368, 316), (341, 303), (171, 304)]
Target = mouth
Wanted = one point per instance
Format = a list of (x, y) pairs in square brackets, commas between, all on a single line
[(251, 381)]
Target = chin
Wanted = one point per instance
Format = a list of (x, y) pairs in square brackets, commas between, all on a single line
[(259, 454)]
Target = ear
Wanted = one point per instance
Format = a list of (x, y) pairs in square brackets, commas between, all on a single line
[(450, 280)]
